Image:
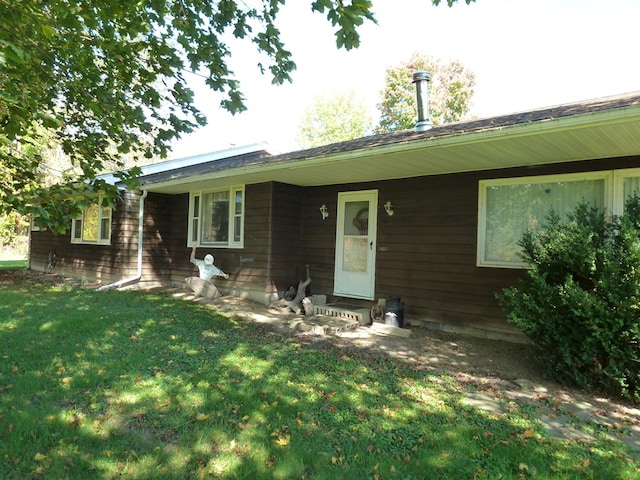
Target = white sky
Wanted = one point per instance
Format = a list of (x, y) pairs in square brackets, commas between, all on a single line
[(526, 54)]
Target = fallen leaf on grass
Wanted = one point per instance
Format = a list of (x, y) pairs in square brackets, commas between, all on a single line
[(39, 457), (283, 440), (75, 421), (201, 417)]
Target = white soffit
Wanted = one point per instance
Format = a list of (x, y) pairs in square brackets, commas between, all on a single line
[(609, 134)]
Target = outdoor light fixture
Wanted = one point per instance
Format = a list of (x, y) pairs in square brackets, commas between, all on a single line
[(388, 208), (324, 211)]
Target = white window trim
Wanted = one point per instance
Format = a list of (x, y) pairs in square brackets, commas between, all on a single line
[(100, 240), (32, 224), (618, 187), (195, 222), (609, 204)]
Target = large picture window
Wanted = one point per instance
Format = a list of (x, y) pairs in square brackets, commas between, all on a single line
[(217, 218), (93, 226), (509, 207)]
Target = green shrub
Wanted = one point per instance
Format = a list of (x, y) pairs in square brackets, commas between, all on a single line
[(579, 301)]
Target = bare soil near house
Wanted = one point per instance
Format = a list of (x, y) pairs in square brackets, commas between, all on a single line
[(488, 365)]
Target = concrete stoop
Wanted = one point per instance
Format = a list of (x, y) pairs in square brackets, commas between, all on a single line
[(328, 319), (323, 324), (350, 313), (339, 318)]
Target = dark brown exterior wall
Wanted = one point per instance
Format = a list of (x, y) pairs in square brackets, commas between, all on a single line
[(269, 261), (165, 230), (102, 262), (426, 251)]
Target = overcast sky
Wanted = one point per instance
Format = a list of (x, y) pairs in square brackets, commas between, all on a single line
[(526, 54)]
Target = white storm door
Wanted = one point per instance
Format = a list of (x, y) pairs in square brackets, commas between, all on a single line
[(356, 244)]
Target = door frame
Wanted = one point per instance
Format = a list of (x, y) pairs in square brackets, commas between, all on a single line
[(363, 285)]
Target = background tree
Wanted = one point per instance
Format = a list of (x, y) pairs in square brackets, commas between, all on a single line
[(107, 78), (13, 235), (334, 119), (450, 91)]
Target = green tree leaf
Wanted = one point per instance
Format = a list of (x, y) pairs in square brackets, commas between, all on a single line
[(334, 119), (106, 78)]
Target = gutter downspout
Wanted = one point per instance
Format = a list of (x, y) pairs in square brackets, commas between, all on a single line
[(138, 274)]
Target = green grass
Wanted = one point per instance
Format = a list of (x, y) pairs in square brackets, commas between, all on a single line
[(144, 386), (13, 264)]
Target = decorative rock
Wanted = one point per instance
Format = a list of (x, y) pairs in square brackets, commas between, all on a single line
[(390, 330)]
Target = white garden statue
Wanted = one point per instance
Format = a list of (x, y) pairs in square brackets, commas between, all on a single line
[(202, 285)]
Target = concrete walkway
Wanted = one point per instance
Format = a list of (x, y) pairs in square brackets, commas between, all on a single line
[(562, 416)]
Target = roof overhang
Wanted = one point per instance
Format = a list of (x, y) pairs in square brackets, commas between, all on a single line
[(592, 135)]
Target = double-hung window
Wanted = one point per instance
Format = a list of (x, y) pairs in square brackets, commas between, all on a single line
[(93, 226), (508, 207), (216, 218)]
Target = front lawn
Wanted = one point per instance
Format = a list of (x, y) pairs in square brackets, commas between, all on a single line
[(141, 385)]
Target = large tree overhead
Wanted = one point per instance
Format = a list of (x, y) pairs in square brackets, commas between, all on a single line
[(107, 78), (334, 119), (450, 91)]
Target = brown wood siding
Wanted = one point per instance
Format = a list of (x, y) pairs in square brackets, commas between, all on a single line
[(248, 267), (165, 225), (426, 251), (272, 223), (93, 262), (287, 261), (319, 236)]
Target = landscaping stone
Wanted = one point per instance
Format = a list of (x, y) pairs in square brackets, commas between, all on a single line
[(485, 402), (390, 330)]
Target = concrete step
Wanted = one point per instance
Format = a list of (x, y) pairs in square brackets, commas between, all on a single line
[(323, 324), (345, 311)]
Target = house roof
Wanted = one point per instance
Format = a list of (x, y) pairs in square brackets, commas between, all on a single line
[(599, 128)]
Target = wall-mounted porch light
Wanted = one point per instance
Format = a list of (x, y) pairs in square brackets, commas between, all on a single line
[(324, 211), (388, 208)]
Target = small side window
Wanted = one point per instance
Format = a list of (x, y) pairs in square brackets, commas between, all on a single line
[(216, 218), (93, 226)]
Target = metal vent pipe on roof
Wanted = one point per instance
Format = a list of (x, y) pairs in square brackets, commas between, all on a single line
[(421, 79)]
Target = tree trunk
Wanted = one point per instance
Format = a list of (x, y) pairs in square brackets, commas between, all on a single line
[(295, 305)]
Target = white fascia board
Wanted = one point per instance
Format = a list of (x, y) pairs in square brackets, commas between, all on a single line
[(174, 164), (182, 162)]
